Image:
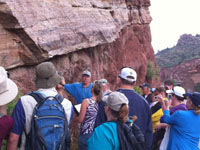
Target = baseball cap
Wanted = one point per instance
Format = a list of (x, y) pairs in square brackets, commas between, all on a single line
[(177, 90), (128, 74), (115, 99), (195, 98), (86, 72), (145, 85)]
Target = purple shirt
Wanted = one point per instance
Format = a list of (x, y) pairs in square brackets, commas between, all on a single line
[(6, 124), (174, 109), (179, 107)]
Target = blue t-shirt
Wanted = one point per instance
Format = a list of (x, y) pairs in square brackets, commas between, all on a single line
[(139, 106), (78, 91), (104, 137), (184, 130)]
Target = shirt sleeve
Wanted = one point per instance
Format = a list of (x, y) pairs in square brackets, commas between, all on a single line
[(171, 119), (18, 116), (71, 89)]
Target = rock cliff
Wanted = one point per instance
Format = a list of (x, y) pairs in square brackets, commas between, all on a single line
[(99, 35)]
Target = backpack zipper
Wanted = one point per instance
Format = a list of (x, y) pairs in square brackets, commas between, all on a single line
[(44, 117)]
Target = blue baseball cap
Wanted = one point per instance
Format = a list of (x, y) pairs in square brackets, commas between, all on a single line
[(195, 98), (145, 85)]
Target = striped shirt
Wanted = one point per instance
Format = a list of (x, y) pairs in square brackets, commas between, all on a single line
[(87, 125)]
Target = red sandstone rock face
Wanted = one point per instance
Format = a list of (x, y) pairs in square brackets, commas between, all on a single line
[(187, 73), (101, 36)]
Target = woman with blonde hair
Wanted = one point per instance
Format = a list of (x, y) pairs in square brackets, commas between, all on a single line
[(88, 113), (184, 125)]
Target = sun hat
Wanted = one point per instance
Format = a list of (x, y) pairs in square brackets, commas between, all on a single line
[(86, 72), (47, 76), (195, 98), (8, 89), (177, 90), (115, 99), (128, 74), (103, 81)]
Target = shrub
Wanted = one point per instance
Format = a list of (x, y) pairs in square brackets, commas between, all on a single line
[(152, 72), (197, 87), (137, 90)]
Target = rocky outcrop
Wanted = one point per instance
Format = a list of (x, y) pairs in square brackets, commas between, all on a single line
[(187, 73), (100, 35)]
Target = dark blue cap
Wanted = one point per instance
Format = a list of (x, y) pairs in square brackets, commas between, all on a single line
[(195, 98), (144, 85)]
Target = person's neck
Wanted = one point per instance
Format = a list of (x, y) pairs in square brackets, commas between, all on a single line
[(86, 84), (111, 118), (3, 110), (125, 86), (176, 103)]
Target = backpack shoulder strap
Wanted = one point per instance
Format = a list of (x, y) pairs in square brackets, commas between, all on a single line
[(59, 98), (37, 96)]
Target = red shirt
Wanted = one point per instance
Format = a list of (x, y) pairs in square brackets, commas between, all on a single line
[(6, 124)]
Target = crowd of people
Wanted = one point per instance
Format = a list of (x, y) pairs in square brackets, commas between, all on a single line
[(162, 118)]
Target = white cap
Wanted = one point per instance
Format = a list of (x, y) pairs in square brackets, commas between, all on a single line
[(177, 90), (86, 72), (128, 74)]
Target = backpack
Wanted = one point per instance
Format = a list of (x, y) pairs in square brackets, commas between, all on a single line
[(49, 125), (130, 136)]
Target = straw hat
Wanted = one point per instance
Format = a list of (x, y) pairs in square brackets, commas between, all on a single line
[(8, 89)]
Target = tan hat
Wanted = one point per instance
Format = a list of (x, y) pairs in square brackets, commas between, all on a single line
[(8, 89), (115, 100), (47, 76)]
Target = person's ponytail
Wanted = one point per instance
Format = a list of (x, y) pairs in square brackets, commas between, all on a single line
[(123, 113), (196, 110)]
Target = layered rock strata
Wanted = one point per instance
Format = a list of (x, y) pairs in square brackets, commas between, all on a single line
[(99, 35)]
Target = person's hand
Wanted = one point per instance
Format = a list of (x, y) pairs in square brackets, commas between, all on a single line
[(165, 104)]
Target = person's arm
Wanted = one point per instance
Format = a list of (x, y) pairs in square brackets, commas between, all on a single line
[(12, 142), (71, 88), (18, 116), (84, 107)]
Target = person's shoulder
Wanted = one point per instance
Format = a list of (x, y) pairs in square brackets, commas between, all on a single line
[(107, 127), (66, 102)]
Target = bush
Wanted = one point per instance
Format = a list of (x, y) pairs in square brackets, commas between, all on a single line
[(152, 72), (197, 87), (137, 90)]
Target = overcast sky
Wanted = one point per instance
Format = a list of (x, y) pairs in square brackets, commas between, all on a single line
[(172, 18)]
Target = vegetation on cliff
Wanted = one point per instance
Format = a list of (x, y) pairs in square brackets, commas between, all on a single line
[(187, 48)]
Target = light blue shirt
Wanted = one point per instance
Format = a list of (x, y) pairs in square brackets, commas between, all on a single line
[(104, 137), (78, 91), (184, 130)]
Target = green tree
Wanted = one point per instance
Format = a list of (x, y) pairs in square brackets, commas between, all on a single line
[(152, 72)]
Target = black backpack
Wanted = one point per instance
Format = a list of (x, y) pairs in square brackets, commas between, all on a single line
[(49, 126), (130, 136)]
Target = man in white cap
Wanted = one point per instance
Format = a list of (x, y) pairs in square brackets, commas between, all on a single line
[(137, 104), (8, 91), (47, 78), (80, 91)]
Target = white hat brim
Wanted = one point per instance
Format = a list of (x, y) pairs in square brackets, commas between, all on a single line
[(9, 95)]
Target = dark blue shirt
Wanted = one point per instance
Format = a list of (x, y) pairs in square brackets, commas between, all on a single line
[(78, 91), (139, 106), (101, 116)]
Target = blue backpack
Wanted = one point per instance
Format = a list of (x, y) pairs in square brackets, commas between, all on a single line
[(49, 125)]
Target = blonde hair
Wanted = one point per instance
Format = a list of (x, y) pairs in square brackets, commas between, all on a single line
[(122, 114), (98, 90)]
